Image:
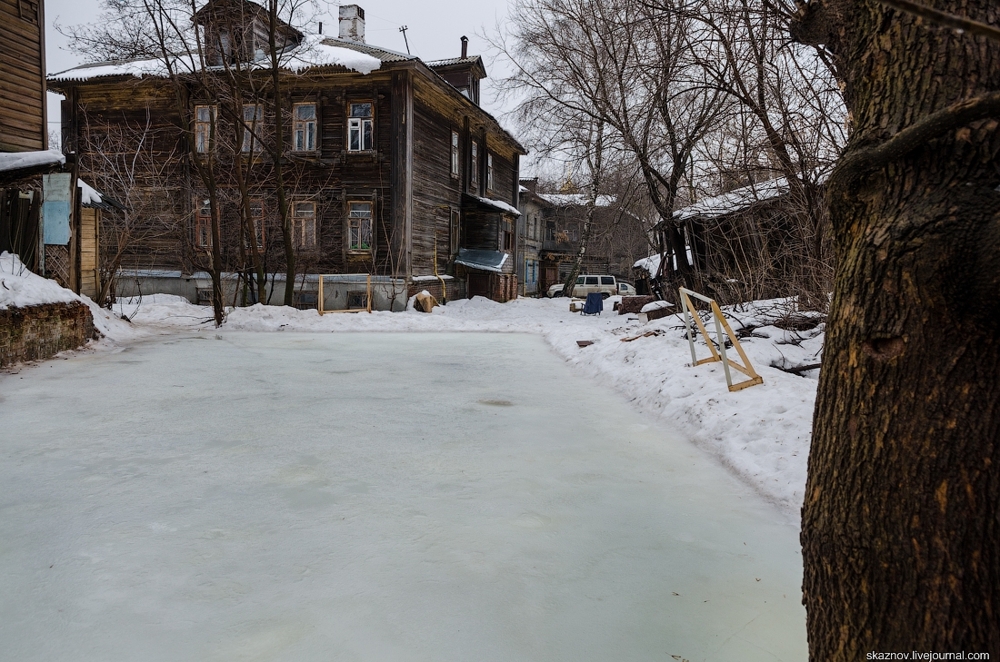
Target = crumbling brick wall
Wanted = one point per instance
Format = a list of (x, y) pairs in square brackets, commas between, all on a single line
[(35, 333)]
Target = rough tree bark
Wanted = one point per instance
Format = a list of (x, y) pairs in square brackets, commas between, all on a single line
[(900, 525)]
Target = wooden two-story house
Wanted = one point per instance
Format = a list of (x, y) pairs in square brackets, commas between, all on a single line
[(392, 171)]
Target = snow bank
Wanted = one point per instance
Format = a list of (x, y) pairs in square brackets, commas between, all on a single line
[(760, 433), (20, 287)]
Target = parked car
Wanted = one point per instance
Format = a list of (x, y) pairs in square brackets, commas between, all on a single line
[(606, 285)]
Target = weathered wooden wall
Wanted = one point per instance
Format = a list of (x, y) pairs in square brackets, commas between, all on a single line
[(22, 76), (90, 275), (407, 176)]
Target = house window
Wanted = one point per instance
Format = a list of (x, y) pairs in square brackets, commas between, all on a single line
[(455, 231), (304, 224), (359, 218), (204, 121), (304, 127), (489, 171), (475, 165), (257, 222), (359, 128), (454, 153), (252, 116), (203, 224), (508, 241)]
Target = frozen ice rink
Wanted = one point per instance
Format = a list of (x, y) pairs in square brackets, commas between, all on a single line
[(439, 497)]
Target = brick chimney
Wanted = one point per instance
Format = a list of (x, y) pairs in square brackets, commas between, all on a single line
[(352, 23)]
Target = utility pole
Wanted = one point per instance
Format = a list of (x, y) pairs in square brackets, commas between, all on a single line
[(405, 40)]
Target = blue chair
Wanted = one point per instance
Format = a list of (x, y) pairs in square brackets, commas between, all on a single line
[(594, 305)]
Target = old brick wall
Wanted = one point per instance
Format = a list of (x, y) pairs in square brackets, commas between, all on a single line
[(37, 332)]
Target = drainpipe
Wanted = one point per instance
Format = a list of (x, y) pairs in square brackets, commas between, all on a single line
[(444, 287)]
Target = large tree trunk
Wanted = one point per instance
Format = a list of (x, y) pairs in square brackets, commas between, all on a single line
[(900, 528)]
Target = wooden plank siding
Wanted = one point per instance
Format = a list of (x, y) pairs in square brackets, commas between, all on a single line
[(436, 192), (22, 79), (406, 176), (90, 276)]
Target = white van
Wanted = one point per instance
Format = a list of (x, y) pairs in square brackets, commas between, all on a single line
[(606, 285)]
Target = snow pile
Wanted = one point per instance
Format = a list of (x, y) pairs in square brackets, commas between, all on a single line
[(761, 433), (319, 51), (19, 287), (656, 305), (19, 160)]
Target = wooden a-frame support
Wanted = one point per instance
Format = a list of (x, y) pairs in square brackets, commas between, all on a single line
[(717, 355)]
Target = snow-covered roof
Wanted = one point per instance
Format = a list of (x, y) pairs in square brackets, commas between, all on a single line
[(735, 200), (468, 59), (88, 194), (319, 51), (21, 160), (482, 260), (650, 264), (498, 204), (314, 51), (575, 199)]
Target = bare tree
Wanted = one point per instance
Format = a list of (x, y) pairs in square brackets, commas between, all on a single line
[(628, 66), (788, 120), (126, 159)]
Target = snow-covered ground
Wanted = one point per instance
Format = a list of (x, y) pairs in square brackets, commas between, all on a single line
[(761, 433)]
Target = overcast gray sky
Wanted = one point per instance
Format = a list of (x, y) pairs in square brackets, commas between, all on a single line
[(435, 27)]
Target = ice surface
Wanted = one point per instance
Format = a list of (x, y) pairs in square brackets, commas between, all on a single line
[(444, 496)]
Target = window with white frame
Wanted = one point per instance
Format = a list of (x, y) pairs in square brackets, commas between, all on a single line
[(454, 153), (359, 127), (304, 224), (253, 116), (359, 219), (204, 121), (474, 165), (489, 171), (304, 127), (203, 224)]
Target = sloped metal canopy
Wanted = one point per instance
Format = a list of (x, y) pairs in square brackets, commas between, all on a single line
[(482, 260)]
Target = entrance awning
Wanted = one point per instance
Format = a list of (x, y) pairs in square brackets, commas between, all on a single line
[(482, 260), (492, 205)]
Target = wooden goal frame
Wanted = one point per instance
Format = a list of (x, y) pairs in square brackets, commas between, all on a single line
[(717, 354), (368, 298)]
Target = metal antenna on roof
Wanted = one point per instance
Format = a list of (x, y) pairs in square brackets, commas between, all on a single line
[(405, 40)]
